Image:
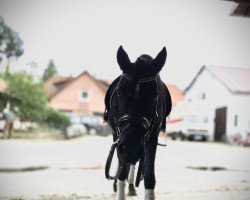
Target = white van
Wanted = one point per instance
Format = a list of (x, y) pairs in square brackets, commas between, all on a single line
[(193, 123), (196, 127)]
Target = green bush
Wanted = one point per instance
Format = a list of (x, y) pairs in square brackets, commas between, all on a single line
[(56, 119)]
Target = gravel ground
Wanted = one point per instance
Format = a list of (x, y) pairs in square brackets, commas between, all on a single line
[(74, 169)]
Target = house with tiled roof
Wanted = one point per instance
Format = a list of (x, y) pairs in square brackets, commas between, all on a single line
[(77, 96), (225, 94), (84, 95)]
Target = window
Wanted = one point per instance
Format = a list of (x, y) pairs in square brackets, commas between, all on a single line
[(196, 119), (84, 95), (202, 96), (235, 120)]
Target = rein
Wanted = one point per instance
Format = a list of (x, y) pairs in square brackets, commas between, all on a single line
[(148, 125), (109, 161)]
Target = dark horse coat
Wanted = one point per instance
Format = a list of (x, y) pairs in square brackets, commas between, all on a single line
[(137, 104)]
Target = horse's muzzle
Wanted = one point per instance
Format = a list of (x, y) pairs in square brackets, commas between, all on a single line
[(130, 154)]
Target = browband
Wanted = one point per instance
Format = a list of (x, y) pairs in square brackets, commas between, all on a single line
[(141, 80)]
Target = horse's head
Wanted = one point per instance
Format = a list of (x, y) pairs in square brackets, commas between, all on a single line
[(137, 97)]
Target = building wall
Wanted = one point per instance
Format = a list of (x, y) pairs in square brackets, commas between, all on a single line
[(239, 115), (69, 98), (217, 96)]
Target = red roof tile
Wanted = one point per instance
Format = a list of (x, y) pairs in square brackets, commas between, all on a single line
[(58, 83), (55, 83), (176, 93), (235, 79)]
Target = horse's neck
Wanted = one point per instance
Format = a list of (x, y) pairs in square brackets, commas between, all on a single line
[(158, 79)]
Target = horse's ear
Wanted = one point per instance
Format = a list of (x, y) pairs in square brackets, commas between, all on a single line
[(123, 59), (160, 59)]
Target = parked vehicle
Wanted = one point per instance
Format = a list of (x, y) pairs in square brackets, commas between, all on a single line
[(76, 129), (195, 127), (92, 125), (193, 123)]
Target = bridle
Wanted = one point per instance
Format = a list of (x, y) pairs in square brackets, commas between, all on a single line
[(144, 121), (128, 120)]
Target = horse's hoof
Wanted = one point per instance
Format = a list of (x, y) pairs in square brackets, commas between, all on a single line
[(131, 190), (115, 186)]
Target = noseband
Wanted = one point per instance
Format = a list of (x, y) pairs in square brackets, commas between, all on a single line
[(130, 120), (125, 122)]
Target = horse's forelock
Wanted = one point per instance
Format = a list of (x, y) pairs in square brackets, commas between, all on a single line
[(144, 59)]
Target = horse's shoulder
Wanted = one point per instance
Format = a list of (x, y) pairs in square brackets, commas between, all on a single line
[(166, 96)]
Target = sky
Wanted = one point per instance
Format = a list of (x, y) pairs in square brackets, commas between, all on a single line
[(85, 35)]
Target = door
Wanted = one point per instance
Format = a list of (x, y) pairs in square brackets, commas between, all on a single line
[(220, 124)]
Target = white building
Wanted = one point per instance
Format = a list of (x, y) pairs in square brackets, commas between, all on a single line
[(225, 92)]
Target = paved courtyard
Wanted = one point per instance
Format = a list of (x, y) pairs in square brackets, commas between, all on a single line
[(74, 169)]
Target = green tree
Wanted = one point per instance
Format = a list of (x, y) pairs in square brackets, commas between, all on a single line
[(50, 71), (28, 96), (10, 42), (33, 100)]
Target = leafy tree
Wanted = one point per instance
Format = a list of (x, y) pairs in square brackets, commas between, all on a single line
[(33, 100), (50, 71), (4, 98), (10, 42), (28, 96)]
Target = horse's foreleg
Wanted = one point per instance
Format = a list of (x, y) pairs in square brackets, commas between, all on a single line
[(115, 185), (120, 190), (121, 183), (131, 177), (149, 173)]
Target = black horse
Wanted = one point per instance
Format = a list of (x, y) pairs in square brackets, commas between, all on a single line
[(137, 104)]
